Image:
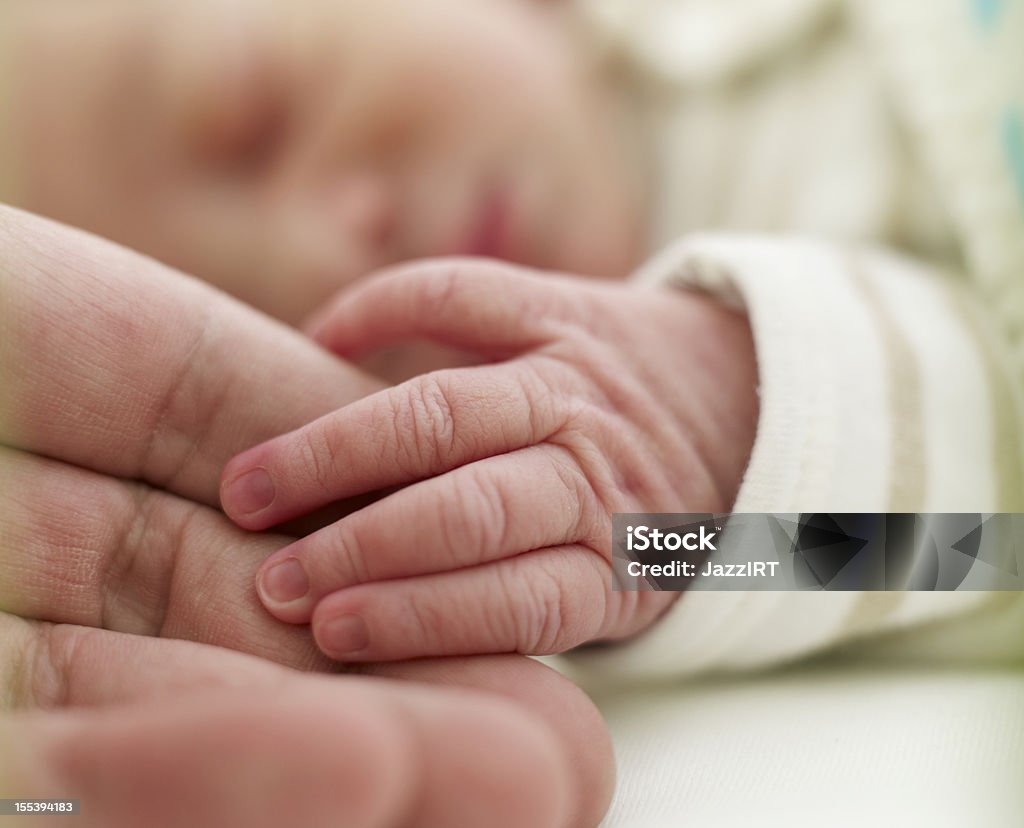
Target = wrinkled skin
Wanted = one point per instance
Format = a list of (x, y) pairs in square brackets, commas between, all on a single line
[(125, 388), (600, 398)]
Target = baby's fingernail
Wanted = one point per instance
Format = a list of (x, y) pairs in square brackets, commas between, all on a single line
[(250, 493), (343, 636), (284, 582)]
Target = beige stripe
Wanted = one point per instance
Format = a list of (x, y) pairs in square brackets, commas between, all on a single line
[(908, 485), (1007, 419), (908, 481)]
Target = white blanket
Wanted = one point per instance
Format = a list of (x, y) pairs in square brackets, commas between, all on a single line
[(827, 745)]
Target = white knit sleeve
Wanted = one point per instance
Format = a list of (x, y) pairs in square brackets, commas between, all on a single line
[(882, 390)]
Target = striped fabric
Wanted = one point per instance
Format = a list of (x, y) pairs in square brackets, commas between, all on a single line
[(848, 173)]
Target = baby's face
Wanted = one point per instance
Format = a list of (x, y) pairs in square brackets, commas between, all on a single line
[(310, 142)]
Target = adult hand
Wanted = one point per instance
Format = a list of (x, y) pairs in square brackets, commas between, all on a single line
[(147, 731), (136, 383)]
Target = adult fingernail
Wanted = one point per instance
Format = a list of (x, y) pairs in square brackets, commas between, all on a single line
[(284, 582), (343, 636), (250, 493)]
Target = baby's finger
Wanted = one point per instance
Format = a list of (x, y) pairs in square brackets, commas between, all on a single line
[(424, 427), (473, 515), (542, 602), (484, 306)]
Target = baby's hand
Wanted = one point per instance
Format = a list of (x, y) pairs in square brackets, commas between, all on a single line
[(602, 398)]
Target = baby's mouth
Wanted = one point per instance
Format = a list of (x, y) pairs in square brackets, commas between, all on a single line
[(490, 233)]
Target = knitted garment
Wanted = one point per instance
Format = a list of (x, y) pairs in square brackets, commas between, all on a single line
[(850, 175)]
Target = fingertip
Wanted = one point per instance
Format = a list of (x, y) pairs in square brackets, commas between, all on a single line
[(343, 634), (283, 587), (251, 492), (517, 776), (248, 490), (568, 712)]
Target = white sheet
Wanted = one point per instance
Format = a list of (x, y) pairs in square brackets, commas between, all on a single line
[(831, 744)]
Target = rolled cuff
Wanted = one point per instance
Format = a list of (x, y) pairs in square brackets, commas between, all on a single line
[(880, 392)]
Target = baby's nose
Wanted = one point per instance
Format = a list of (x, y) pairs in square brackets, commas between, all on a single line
[(364, 206)]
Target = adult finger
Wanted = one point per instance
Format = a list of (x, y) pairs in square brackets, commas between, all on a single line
[(47, 666), (378, 758), (566, 709), (83, 548), (475, 514), (113, 362), (301, 750), (426, 426), (62, 666)]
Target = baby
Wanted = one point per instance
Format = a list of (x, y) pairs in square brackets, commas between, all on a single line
[(283, 149), (600, 398)]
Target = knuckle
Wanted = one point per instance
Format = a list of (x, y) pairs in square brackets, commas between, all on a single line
[(547, 402), (316, 454), (47, 665), (429, 627), (589, 518), (432, 423), (144, 551), (585, 606), (552, 615), (477, 528), (587, 417), (435, 287), (496, 511), (567, 601), (538, 608), (347, 563), (597, 448), (582, 503)]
